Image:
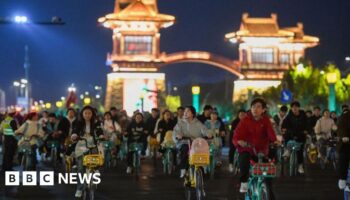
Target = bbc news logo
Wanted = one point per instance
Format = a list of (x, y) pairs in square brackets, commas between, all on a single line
[(46, 178)]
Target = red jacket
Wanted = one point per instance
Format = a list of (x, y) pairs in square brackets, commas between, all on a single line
[(257, 133)]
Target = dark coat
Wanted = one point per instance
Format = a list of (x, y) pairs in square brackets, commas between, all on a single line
[(295, 126), (343, 128)]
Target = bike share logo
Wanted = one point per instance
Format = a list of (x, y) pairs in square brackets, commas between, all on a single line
[(47, 178)]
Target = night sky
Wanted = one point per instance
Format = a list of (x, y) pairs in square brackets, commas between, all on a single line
[(76, 52)]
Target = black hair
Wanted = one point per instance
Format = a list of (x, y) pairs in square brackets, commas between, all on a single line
[(52, 115), (180, 108), (107, 113), (138, 113), (70, 109), (317, 108), (295, 103), (93, 113), (284, 108), (325, 110), (259, 100), (155, 109), (207, 107), (113, 108), (345, 107), (192, 109)]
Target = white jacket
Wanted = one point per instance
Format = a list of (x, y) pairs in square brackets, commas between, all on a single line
[(324, 127)]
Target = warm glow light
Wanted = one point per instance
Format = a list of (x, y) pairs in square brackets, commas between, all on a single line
[(59, 104), (48, 105), (196, 90), (331, 77), (241, 87), (87, 100)]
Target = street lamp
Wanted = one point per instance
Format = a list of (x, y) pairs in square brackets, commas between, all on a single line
[(195, 97), (331, 79), (20, 19)]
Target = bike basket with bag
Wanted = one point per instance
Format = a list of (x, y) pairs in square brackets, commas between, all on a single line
[(199, 153)]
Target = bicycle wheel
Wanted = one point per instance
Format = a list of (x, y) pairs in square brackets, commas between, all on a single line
[(187, 193), (170, 162), (212, 167), (199, 185), (264, 192), (235, 164), (292, 165), (23, 162), (91, 191), (136, 163), (53, 157)]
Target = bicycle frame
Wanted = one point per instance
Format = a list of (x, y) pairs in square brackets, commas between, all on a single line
[(294, 146)]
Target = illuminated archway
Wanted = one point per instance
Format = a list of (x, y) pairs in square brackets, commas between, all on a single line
[(204, 57)]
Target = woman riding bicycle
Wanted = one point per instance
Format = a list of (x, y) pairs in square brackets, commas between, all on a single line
[(253, 135), (189, 127), (87, 128)]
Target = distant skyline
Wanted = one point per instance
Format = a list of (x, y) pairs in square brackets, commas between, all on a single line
[(76, 52)]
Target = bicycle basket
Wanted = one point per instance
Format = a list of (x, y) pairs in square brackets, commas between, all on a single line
[(93, 160), (199, 159), (135, 147), (153, 141), (263, 170)]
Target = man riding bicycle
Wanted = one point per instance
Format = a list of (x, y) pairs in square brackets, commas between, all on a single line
[(253, 135)]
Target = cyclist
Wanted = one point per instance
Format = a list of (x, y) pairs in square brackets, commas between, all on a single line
[(240, 115), (88, 128), (279, 117), (136, 132), (28, 129), (110, 127), (217, 128), (52, 133), (295, 127), (253, 134), (343, 146), (189, 127), (164, 124), (323, 129)]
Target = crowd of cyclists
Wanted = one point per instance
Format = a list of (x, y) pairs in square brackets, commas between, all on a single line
[(251, 132)]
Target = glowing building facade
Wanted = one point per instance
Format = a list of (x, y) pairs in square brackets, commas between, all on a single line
[(134, 82), (266, 52)]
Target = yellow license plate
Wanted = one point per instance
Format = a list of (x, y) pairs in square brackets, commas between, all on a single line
[(199, 159)]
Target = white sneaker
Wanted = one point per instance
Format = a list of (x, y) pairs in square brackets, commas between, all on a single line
[(78, 193), (182, 173), (243, 188), (230, 168), (301, 169), (342, 184), (128, 170)]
